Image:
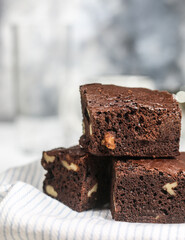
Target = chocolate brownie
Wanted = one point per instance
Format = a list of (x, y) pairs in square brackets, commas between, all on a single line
[(149, 190), (77, 178), (134, 122)]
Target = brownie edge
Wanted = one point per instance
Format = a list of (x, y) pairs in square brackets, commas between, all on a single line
[(149, 190), (76, 178)]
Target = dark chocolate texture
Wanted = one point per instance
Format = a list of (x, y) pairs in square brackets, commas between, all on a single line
[(134, 122), (149, 190), (77, 178)]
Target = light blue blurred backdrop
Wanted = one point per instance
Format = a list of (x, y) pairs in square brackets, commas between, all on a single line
[(49, 47)]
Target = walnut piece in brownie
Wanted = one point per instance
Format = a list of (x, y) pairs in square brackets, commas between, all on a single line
[(134, 122), (49, 158), (77, 178), (149, 190)]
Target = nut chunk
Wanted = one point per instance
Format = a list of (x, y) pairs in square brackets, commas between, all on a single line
[(108, 141), (77, 178), (49, 157), (169, 188), (149, 190), (51, 191), (136, 122)]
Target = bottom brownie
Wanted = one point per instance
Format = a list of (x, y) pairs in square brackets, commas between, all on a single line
[(77, 179), (150, 191)]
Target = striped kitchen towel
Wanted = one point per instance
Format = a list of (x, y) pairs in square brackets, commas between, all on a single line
[(27, 213)]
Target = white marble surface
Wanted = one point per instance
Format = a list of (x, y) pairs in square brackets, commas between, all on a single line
[(24, 140)]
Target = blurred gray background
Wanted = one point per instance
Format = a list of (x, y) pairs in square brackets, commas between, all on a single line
[(49, 47)]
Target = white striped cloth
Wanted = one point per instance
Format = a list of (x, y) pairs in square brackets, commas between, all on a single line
[(27, 213)]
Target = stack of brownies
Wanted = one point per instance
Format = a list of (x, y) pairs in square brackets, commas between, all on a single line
[(128, 156)]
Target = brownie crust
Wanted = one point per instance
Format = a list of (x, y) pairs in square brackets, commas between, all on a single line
[(149, 190), (135, 122)]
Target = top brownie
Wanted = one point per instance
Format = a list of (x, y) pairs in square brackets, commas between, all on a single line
[(134, 122)]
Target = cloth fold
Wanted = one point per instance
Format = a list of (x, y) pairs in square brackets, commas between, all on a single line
[(27, 213)]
